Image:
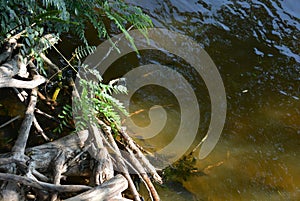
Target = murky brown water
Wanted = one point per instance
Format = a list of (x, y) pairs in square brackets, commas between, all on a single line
[(255, 45)]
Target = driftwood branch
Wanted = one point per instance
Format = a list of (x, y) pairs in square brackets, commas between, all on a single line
[(20, 143), (120, 161), (59, 169), (104, 168), (107, 191), (41, 168), (39, 129), (49, 62), (21, 95), (43, 156), (140, 163), (43, 185), (12, 82), (141, 156)]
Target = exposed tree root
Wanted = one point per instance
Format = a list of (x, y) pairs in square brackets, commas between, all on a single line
[(38, 172)]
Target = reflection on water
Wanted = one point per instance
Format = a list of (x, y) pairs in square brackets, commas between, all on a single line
[(255, 45)]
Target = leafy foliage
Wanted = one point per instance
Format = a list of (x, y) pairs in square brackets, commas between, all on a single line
[(96, 100), (60, 16), (66, 118), (81, 52), (33, 19)]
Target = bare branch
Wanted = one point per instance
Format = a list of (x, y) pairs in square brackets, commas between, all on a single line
[(43, 185)]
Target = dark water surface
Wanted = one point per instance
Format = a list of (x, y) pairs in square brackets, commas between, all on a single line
[(255, 45)]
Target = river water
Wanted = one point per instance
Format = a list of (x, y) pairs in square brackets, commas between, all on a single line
[(255, 46)]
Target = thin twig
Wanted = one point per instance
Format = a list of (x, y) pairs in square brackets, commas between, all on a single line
[(112, 48), (72, 161), (10, 121), (46, 115), (23, 95), (49, 62), (39, 129)]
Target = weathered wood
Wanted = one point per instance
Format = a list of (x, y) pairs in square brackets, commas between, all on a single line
[(141, 171), (12, 82), (107, 191), (53, 161), (141, 156), (104, 168), (119, 199), (43, 185), (43, 155), (10, 192), (20, 144), (17, 66), (18, 150), (120, 161), (49, 62), (39, 129), (6, 159), (21, 95), (59, 169)]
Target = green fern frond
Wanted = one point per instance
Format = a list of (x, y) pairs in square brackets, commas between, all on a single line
[(96, 100), (65, 118), (81, 52), (38, 18)]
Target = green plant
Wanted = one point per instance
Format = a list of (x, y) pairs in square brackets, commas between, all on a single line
[(81, 52), (182, 169), (32, 19), (66, 119), (95, 100), (61, 16)]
